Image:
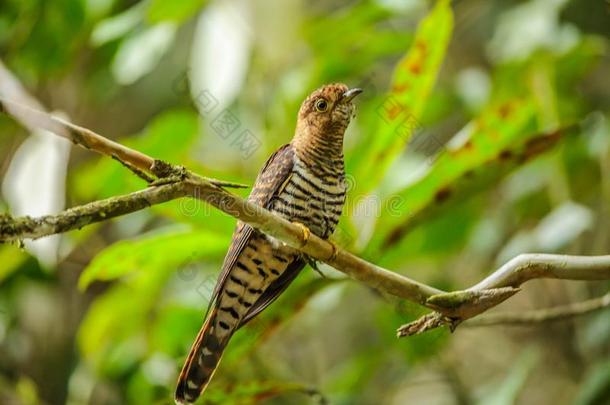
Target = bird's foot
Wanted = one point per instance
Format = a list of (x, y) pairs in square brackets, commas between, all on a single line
[(306, 232), (313, 264)]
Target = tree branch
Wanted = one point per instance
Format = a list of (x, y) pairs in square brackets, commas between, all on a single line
[(175, 181), (13, 229), (208, 190), (511, 275)]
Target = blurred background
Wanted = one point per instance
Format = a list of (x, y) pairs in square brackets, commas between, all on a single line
[(500, 145)]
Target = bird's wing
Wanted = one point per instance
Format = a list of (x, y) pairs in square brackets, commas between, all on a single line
[(270, 181), (274, 290)]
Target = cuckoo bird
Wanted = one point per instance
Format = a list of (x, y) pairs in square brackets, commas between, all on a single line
[(304, 182)]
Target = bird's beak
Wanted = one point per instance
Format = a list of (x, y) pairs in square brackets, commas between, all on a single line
[(350, 94)]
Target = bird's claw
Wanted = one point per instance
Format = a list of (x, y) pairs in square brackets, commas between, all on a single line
[(306, 232), (313, 264)]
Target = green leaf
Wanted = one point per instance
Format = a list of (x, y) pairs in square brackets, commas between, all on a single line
[(176, 11), (117, 26), (348, 376), (449, 201), (151, 254), (114, 332), (335, 38), (110, 336), (174, 325), (141, 51), (501, 133), (441, 236), (596, 385), (507, 392), (11, 258), (399, 114)]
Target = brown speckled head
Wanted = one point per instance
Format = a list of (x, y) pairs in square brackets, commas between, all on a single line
[(324, 117)]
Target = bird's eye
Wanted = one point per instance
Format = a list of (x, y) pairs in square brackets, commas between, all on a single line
[(321, 105)]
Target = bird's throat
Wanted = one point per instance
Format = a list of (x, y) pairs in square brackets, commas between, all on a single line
[(319, 148)]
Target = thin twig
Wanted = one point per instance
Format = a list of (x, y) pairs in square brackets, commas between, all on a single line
[(539, 265), (539, 316), (141, 174), (78, 135), (11, 88), (138, 162), (16, 100)]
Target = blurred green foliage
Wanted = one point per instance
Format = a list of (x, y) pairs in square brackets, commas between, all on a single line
[(467, 150)]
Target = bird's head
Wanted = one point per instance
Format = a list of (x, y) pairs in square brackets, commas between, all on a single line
[(326, 113)]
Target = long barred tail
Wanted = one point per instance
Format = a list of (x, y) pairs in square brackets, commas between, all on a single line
[(201, 363)]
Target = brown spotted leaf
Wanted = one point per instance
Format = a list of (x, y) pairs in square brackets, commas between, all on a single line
[(412, 83), (502, 137)]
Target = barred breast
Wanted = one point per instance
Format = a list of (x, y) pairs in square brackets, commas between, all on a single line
[(314, 196)]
